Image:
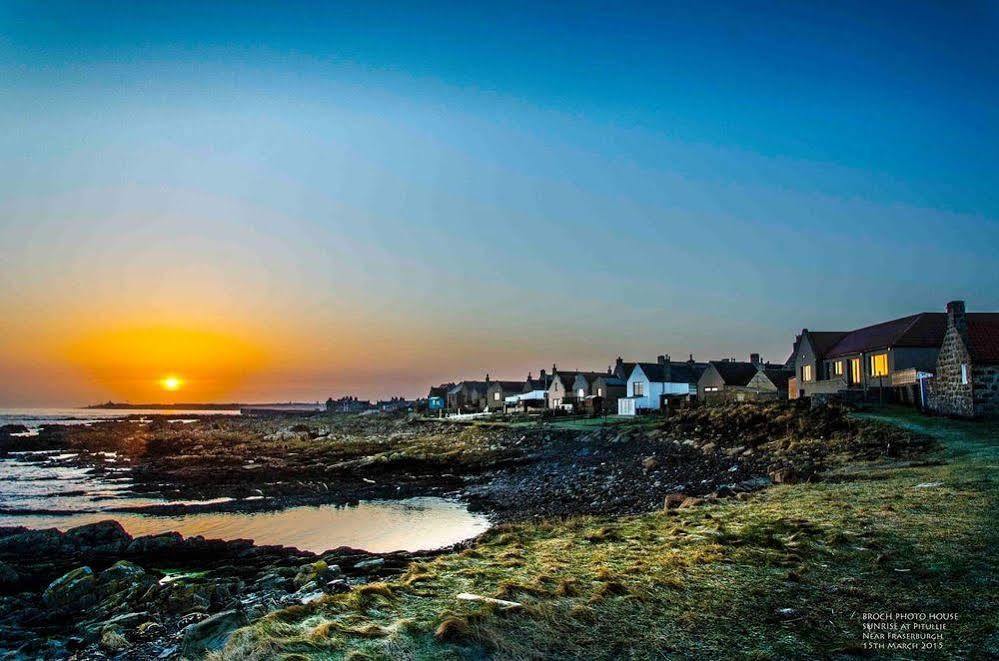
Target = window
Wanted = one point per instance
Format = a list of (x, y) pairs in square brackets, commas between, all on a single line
[(855, 375), (838, 368), (879, 365), (600, 392), (964, 373), (806, 372), (496, 395), (711, 389), (581, 392), (638, 389)]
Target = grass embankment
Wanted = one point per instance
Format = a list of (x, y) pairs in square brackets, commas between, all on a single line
[(785, 574)]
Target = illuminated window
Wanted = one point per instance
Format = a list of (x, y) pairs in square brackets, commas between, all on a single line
[(838, 368), (638, 388), (600, 392), (496, 395), (582, 392), (964, 373), (806, 372), (879, 365), (855, 375)]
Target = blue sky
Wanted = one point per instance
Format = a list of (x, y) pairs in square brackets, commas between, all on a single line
[(385, 195)]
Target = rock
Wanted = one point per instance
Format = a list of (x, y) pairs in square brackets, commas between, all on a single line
[(211, 633), (336, 586), (122, 575), (8, 575), (126, 621), (156, 544), (691, 501), (650, 463), (101, 538), (784, 475), (73, 589), (673, 500), (13, 429), (318, 572), (33, 543), (150, 630), (708, 448), (373, 563)]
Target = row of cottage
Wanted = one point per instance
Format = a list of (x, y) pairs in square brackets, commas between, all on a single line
[(946, 362)]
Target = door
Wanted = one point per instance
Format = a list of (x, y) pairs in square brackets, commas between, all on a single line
[(855, 371)]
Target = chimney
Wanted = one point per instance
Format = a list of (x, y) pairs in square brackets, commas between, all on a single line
[(957, 318), (543, 375), (691, 359), (529, 375), (609, 371), (754, 358), (487, 377), (554, 369), (662, 359)]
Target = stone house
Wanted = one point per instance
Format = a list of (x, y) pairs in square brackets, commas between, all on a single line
[(883, 361), (729, 380), (498, 391), (607, 389), (467, 396), (569, 389), (966, 382)]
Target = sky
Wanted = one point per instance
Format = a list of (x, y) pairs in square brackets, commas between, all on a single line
[(284, 201)]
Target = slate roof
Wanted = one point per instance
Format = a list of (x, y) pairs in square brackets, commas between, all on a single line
[(734, 373), (612, 380), (983, 336), (508, 386), (823, 341), (925, 329), (680, 372), (779, 376)]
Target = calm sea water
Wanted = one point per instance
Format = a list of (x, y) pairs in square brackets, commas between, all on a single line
[(33, 418), (42, 489)]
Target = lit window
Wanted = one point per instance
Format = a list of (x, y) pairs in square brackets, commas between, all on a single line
[(838, 368), (806, 372), (638, 388), (855, 375), (600, 392), (879, 365), (964, 373), (496, 395), (582, 392)]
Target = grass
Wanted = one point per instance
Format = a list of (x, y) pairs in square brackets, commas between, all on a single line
[(785, 574)]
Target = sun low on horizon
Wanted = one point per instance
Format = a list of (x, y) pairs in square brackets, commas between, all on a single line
[(172, 383)]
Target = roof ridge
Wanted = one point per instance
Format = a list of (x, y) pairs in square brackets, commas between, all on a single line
[(915, 319)]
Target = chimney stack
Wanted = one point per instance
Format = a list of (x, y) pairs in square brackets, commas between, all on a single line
[(754, 358), (663, 359), (957, 318), (487, 377)]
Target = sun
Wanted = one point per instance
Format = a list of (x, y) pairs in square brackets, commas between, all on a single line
[(171, 383)]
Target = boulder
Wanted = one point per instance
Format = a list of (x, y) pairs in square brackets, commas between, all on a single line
[(122, 575), (156, 544), (33, 543), (211, 633), (366, 565), (691, 501), (73, 589), (650, 463), (673, 500), (8, 576), (101, 538)]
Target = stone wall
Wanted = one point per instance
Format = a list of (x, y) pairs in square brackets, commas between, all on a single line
[(986, 389), (947, 394)]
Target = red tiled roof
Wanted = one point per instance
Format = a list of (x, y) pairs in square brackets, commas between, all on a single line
[(983, 335), (925, 329)]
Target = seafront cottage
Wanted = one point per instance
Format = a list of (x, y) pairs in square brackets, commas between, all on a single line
[(437, 397), (498, 391), (884, 361), (467, 396), (650, 384), (966, 383), (565, 392), (729, 380), (607, 390)]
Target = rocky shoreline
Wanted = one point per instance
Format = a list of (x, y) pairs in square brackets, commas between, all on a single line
[(96, 592)]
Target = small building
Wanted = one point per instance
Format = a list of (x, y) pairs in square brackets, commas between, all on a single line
[(966, 382), (608, 389), (568, 389), (728, 380), (650, 385), (498, 391), (437, 397), (467, 396)]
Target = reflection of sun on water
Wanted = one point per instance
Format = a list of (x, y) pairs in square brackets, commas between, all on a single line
[(171, 383)]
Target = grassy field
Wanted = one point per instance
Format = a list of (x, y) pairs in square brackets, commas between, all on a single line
[(785, 574)]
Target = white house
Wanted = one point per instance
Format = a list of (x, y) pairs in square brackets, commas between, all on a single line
[(648, 383)]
